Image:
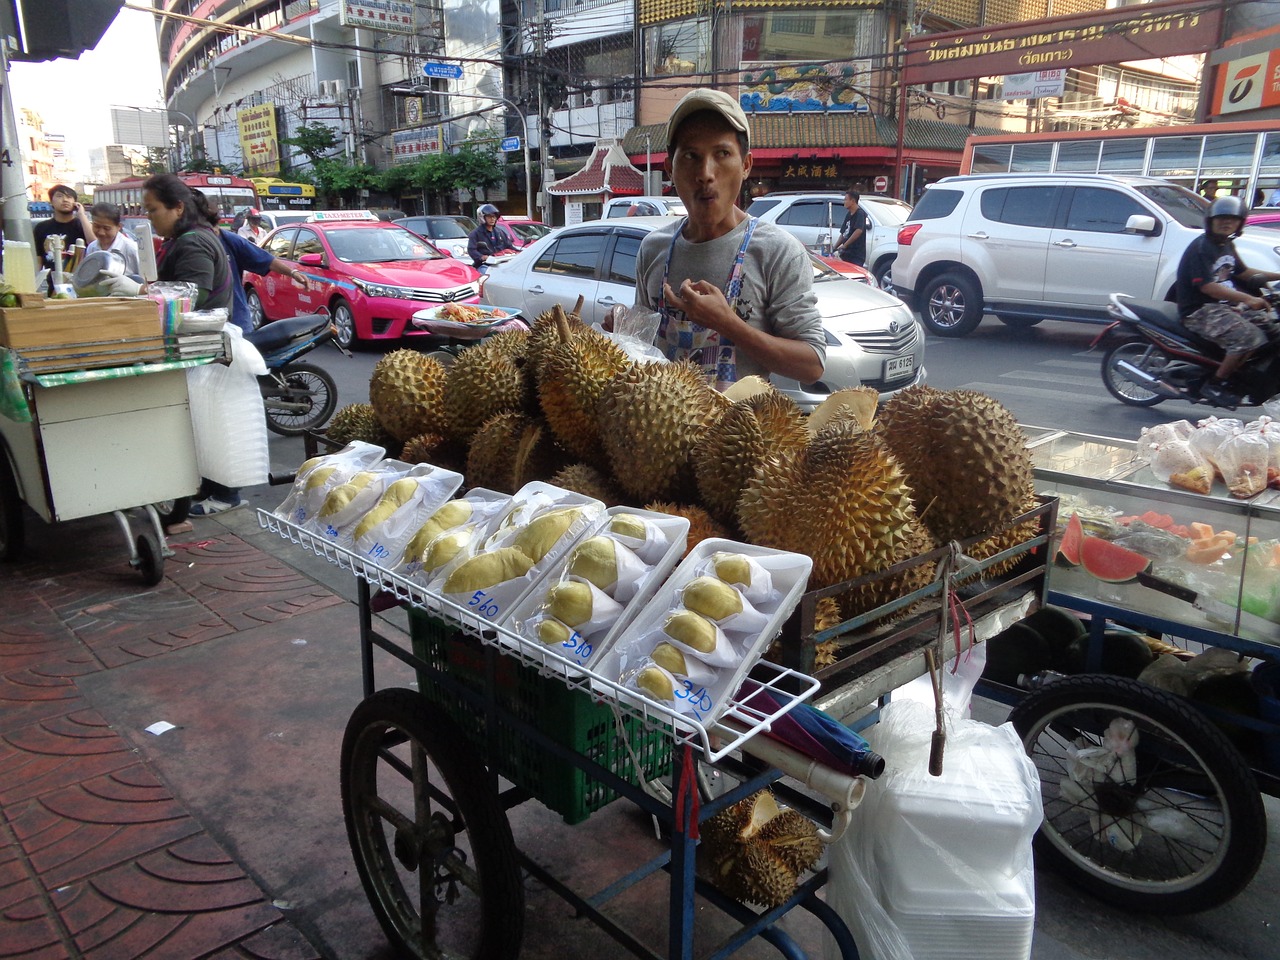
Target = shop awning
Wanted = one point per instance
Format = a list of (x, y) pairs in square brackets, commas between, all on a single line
[(607, 173)]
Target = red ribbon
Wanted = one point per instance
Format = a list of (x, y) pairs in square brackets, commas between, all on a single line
[(689, 790)]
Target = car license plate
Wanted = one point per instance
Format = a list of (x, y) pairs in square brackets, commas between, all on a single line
[(895, 368)]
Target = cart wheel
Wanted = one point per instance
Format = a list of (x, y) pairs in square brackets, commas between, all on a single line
[(431, 843), (173, 511), (1182, 829), (150, 558), (12, 531)]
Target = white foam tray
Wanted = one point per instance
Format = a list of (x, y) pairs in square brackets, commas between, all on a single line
[(790, 574), (577, 649)]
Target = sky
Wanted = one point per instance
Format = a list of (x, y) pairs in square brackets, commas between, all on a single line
[(75, 97)]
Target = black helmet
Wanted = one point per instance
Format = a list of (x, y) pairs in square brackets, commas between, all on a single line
[(1225, 207), (487, 209)]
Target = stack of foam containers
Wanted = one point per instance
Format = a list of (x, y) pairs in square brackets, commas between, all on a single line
[(952, 856)]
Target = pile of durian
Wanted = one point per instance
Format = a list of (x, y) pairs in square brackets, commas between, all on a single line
[(756, 852), (857, 489)]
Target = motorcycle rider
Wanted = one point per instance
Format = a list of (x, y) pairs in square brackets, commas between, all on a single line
[(490, 234), (1212, 301)]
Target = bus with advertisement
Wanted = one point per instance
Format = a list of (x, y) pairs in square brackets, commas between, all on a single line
[(229, 194), (1213, 159), (277, 194)]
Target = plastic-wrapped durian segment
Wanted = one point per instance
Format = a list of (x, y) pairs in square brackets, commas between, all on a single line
[(745, 573), (723, 603), (610, 565), (583, 606), (638, 534)]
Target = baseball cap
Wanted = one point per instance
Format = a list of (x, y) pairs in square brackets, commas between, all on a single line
[(705, 99)]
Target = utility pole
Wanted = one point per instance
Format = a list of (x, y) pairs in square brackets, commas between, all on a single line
[(544, 116)]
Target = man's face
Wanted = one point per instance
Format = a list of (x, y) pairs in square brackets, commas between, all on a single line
[(850, 204), (490, 220), (1224, 227), (63, 202), (708, 168)]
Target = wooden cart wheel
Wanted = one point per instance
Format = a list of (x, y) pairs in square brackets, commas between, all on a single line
[(1180, 829), (430, 840), (150, 558), (12, 529)]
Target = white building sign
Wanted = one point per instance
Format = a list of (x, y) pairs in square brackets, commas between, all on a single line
[(388, 16), (409, 145), (1028, 86)]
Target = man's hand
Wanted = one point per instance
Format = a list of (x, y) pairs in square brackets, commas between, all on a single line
[(703, 303), (1255, 303)]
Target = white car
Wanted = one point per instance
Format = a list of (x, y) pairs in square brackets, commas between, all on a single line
[(815, 218), (1029, 247), (872, 338), (643, 207)]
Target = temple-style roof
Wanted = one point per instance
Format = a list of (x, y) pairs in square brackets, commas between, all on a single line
[(607, 173)]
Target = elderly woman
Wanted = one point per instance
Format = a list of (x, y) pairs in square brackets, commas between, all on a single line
[(107, 235)]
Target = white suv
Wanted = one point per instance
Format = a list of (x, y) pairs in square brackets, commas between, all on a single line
[(815, 218), (643, 207), (1029, 247)]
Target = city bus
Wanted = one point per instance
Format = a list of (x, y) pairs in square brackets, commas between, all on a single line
[(229, 194), (1213, 159), (276, 194)]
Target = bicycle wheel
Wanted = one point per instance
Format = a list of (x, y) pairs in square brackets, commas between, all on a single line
[(431, 843), (1178, 828), (298, 397)]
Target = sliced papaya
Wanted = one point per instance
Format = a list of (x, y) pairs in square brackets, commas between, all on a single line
[(1210, 549), (1111, 562), (1200, 531), (1069, 546)]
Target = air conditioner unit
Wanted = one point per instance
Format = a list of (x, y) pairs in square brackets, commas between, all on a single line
[(326, 90), (339, 88)]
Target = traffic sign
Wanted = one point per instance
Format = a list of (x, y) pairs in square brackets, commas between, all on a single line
[(881, 184), (510, 144), (443, 71)]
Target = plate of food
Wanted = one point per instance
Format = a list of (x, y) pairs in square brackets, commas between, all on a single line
[(469, 314)]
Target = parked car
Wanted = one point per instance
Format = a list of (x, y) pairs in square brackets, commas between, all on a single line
[(523, 230), (643, 207), (1029, 247), (851, 270), (448, 232), (815, 219), (872, 338), (1263, 219), (375, 276)]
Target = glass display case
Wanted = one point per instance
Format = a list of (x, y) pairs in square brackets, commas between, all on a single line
[(1209, 561)]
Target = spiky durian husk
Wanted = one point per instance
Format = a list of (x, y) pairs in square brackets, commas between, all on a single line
[(793, 838), (587, 480), (357, 421), (436, 449), (573, 377), (483, 382), (965, 457), (1004, 540), (510, 450), (702, 526), (755, 852), (545, 333), (844, 501), (855, 404), (406, 390), (749, 431), (512, 343), (650, 416)]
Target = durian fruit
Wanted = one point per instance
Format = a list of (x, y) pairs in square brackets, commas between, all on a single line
[(553, 632), (357, 421), (692, 630), (512, 343), (669, 658), (825, 653), (845, 502), (569, 601), (1009, 537), (755, 852), (340, 497), (587, 480), (393, 498), (766, 423), (656, 683), (486, 570), (509, 450), (406, 391), (483, 382), (571, 380), (544, 333), (965, 457), (712, 597), (744, 388), (856, 404), (447, 517), (628, 525), (438, 449), (650, 417), (442, 550), (544, 532), (732, 568), (702, 526), (595, 560)]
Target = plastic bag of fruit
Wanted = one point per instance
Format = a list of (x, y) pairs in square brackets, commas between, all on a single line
[(1242, 461), (1176, 462)]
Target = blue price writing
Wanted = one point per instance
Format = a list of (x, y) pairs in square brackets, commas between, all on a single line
[(578, 646), (485, 607), (699, 699), (378, 552), (330, 530)]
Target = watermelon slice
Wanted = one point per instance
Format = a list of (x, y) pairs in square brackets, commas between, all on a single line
[(1109, 561), (1069, 546)]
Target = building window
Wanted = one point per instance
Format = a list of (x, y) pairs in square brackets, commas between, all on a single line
[(797, 25)]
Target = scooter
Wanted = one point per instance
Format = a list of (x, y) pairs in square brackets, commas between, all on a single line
[(297, 396), (1153, 357)]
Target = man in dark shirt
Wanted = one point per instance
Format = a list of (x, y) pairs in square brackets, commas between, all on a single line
[(69, 221), (1210, 301), (852, 245), (494, 238)]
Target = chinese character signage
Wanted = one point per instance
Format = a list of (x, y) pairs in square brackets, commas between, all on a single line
[(409, 145), (258, 143), (388, 16)]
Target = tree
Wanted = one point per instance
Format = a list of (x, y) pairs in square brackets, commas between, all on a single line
[(316, 141), (338, 179), (476, 166), (157, 161)]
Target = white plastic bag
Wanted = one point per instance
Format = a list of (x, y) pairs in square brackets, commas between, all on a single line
[(228, 418)]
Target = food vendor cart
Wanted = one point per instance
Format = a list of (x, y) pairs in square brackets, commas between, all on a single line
[(93, 426)]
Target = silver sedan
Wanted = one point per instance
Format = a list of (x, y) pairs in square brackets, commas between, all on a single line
[(872, 338)]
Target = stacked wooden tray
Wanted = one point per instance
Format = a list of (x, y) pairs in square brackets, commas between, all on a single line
[(52, 335)]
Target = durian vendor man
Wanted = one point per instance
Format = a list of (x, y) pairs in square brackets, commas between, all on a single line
[(735, 295)]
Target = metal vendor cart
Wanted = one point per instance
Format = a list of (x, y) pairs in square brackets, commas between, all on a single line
[(426, 811), (101, 440)]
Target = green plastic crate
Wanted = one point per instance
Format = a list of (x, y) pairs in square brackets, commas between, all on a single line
[(569, 717)]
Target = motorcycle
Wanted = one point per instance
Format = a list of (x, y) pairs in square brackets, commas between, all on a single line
[(297, 396), (1156, 358)]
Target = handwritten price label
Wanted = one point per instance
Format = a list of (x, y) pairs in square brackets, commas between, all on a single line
[(578, 647), (484, 605), (697, 700)]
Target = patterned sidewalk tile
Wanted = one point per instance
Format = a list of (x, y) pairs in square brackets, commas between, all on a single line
[(58, 752), (28, 697)]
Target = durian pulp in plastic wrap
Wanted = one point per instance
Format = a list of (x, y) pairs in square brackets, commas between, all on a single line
[(745, 620), (346, 503), (319, 475), (756, 586), (483, 506), (381, 533), (603, 613), (628, 569), (649, 547)]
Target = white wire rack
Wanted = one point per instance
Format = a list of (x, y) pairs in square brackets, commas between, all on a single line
[(714, 739)]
